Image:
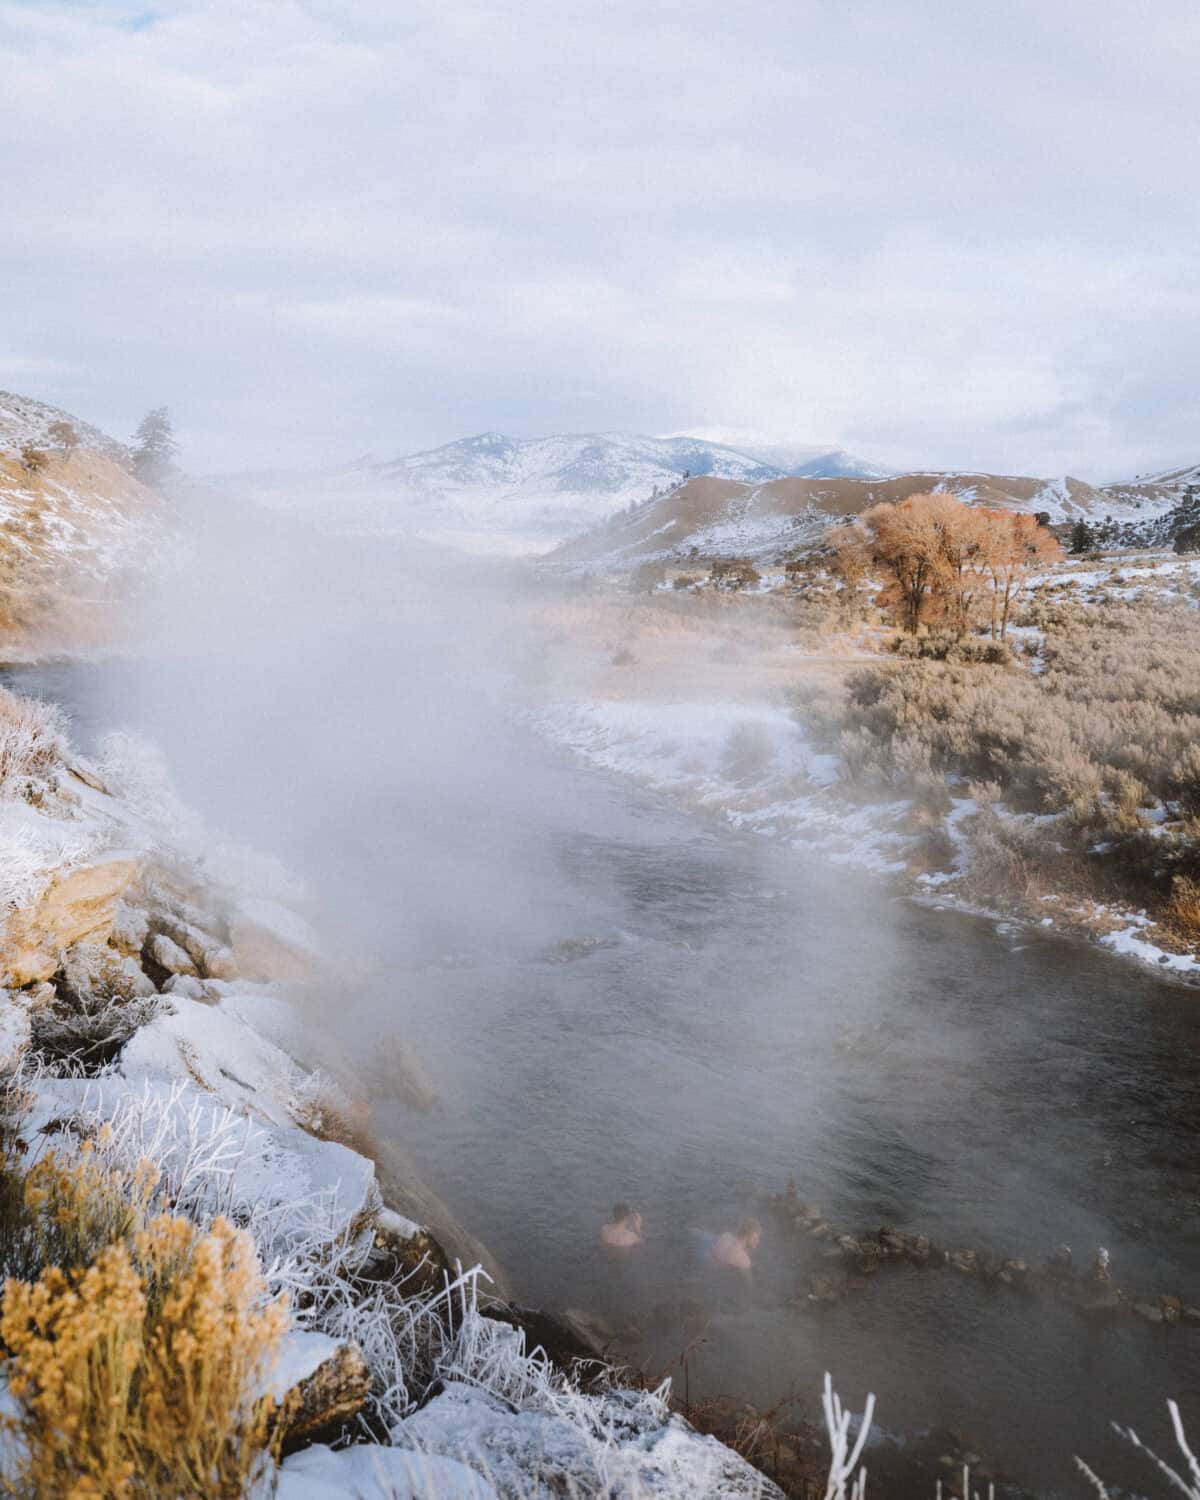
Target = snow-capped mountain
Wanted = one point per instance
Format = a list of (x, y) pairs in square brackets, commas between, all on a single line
[(516, 493), (799, 460)]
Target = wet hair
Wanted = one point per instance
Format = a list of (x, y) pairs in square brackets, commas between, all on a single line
[(621, 1212), (747, 1228)]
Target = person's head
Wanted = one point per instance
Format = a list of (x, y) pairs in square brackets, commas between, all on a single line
[(749, 1231), (621, 1213)]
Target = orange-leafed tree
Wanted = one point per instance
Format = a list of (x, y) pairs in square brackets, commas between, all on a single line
[(1017, 547), (904, 543), (941, 559)]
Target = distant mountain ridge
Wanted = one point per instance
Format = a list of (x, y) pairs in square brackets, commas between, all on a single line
[(531, 490), (800, 460)]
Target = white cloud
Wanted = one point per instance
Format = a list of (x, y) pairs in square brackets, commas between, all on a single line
[(942, 234)]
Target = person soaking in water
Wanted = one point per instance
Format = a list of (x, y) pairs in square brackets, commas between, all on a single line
[(623, 1231), (733, 1251)]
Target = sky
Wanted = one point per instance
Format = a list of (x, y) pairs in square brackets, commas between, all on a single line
[(954, 234)]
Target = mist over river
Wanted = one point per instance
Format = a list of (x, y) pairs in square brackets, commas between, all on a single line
[(618, 1000)]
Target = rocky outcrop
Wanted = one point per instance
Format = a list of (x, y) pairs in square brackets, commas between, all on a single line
[(77, 906), (847, 1260), (319, 1385)]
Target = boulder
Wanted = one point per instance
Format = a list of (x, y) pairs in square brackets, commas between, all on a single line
[(200, 1044), (84, 770), (219, 963), (318, 1385), (131, 928), (211, 956), (165, 954), (368, 1469), (892, 1243), (77, 906), (566, 1344), (188, 986), (1101, 1300), (405, 1252)]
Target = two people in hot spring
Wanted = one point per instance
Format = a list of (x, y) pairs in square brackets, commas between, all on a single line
[(724, 1262)]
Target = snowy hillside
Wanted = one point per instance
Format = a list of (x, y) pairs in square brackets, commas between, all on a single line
[(519, 494), (766, 520), (1149, 496), (76, 528), (24, 421)]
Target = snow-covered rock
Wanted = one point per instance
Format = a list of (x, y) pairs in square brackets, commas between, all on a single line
[(14, 1029), (368, 1472), (320, 1383), (76, 906), (169, 956)]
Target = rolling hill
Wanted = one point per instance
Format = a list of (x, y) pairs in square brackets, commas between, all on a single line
[(707, 517)]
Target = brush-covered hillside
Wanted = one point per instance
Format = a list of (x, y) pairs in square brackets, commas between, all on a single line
[(75, 525), (766, 521)]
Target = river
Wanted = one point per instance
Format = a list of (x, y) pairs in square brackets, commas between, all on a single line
[(618, 1001)]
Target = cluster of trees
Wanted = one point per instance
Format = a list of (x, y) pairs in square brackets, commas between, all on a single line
[(152, 455), (943, 561)]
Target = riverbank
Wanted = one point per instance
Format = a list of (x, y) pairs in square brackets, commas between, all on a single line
[(736, 705), (153, 1007)]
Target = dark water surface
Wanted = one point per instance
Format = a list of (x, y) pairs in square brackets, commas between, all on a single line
[(619, 1001)]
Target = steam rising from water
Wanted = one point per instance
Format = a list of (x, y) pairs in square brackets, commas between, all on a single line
[(732, 1015)]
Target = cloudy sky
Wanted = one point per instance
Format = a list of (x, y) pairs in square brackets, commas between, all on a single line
[(956, 234)]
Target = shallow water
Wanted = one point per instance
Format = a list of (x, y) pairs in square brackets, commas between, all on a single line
[(733, 1014)]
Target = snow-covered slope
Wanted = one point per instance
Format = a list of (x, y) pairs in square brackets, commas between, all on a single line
[(24, 421), (518, 493), (70, 526), (770, 519), (1151, 495)]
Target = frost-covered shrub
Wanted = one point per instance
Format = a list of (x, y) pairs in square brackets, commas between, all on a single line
[(100, 1000), (33, 743)]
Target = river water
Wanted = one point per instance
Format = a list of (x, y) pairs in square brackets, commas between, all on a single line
[(618, 1001)]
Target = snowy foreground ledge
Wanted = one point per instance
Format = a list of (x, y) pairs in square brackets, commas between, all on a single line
[(135, 971)]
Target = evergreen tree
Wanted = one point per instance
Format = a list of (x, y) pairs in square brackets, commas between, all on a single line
[(154, 447), (1082, 539)]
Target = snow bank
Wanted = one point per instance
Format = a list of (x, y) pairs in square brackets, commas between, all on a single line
[(752, 765)]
